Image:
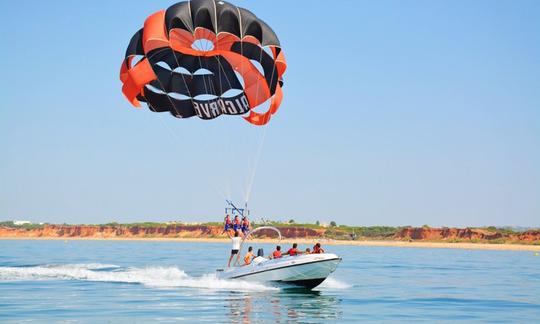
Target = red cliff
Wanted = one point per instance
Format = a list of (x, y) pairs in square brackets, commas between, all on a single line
[(165, 231), (530, 236), (206, 231), (437, 234)]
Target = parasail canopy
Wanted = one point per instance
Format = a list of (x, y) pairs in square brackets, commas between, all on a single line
[(205, 58)]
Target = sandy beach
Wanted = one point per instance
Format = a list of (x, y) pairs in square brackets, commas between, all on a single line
[(402, 244)]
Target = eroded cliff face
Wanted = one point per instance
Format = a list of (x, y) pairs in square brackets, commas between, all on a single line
[(435, 234), (203, 231), (530, 236), (464, 234), (169, 231)]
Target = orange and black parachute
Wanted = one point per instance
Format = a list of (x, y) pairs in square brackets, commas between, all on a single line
[(205, 58)]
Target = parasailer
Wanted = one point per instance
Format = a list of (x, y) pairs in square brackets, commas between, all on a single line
[(205, 58), (237, 225), (228, 223), (245, 225)]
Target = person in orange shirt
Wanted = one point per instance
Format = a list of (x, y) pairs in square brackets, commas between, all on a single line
[(249, 256), (293, 251), (277, 253)]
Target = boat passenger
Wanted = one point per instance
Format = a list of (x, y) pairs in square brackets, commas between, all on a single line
[(317, 249), (228, 223), (245, 225), (249, 256), (235, 246), (308, 251), (294, 250), (277, 253), (236, 223)]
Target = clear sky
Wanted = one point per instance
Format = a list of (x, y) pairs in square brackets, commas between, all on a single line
[(395, 113)]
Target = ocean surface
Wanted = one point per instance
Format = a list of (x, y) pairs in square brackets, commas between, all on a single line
[(141, 282)]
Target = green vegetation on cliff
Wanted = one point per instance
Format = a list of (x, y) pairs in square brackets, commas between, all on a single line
[(11, 224)]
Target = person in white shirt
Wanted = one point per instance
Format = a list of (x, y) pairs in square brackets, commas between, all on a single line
[(235, 246)]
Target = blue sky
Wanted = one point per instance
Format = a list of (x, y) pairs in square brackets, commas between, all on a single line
[(395, 113)]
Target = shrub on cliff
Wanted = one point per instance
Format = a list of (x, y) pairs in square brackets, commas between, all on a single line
[(497, 241), (7, 224), (11, 224), (376, 231)]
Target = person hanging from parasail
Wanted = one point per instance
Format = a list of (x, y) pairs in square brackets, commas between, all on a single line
[(245, 225), (237, 226), (228, 223)]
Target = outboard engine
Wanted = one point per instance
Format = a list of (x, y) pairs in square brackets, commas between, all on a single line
[(260, 252)]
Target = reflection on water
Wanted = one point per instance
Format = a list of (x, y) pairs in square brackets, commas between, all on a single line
[(288, 305)]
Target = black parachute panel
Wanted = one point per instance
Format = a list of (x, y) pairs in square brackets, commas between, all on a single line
[(177, 75)]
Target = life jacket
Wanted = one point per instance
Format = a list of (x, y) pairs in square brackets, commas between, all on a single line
[(276, 254), (292, 251), (247, 258)]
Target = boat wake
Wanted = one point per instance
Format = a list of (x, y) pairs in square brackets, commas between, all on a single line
[(156, 277), (333, 284)]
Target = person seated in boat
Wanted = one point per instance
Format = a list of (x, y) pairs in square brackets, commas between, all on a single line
[(228, 223), (236, 223), (249, 256), (235, 247), (277, 253), (293, 251), (317, 249), (245, 225), (308, 251)]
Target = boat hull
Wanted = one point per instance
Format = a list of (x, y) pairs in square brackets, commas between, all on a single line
[(306, 271)]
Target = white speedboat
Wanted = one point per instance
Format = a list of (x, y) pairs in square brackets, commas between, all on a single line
[(305, 270)]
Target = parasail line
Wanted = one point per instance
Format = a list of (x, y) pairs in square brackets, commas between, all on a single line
[(255, 165)]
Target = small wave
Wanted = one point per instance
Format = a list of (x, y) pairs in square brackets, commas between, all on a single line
[(331, 283), (87, 266), (159, 277)]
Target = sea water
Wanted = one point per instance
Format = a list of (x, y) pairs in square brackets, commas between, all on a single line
[(148, 281)]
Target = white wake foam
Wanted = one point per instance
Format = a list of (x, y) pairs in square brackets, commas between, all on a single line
[(166, 277), (331, 283)]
